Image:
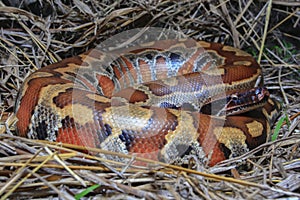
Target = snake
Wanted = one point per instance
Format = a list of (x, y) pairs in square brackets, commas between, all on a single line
[(161, 100)]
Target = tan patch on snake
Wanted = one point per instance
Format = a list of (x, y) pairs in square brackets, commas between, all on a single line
[(170, 81), (98, 98), (238, 52), (178, 141), (242, 62), (70, 68), (182, 45), (81, 113), (147, 44), (270, 101), (269, 116), (120, 116), (89, 57), (40, 75), (33, 76), (49, 92), (182, 39), (229, 136), (184, 127), (255, 128), (204, 44), (215, 72)]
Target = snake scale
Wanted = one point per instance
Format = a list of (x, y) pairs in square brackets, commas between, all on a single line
[(158, 100)]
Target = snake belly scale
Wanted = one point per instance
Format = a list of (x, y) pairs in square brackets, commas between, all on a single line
[(151, 101)]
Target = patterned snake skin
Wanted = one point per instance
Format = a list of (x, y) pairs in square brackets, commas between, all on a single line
[(159, 100)]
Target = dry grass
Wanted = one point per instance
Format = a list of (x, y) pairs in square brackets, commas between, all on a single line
[(35, 35)]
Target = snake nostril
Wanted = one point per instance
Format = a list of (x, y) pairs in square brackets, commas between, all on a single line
[(258, 91)]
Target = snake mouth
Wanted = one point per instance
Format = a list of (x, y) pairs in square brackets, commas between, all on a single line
[(243, 102), (237, 103)]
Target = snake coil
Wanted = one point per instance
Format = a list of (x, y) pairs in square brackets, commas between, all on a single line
[(157, 100)]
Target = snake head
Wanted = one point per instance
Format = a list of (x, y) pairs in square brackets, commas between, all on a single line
[(238, 102), (242, 102)]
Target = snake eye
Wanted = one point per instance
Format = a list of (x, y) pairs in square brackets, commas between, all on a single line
[(234, 97)]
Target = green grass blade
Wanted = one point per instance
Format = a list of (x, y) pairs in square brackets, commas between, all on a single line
[(278, 126), (86, 191)]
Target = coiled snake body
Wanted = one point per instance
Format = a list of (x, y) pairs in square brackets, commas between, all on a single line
[(157, 100)]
